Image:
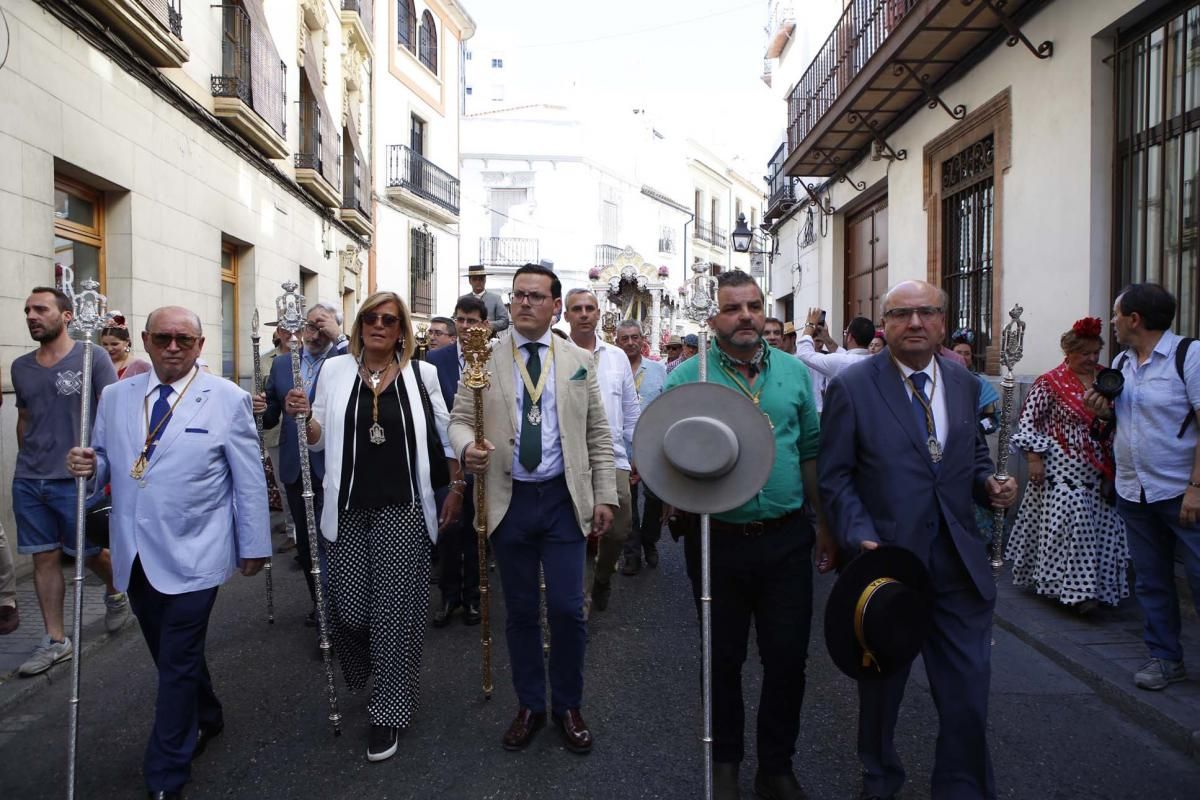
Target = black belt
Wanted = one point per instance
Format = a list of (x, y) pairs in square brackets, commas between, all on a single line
[(757, 527)]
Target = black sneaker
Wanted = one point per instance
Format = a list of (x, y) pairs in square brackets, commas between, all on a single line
[(382, 743)]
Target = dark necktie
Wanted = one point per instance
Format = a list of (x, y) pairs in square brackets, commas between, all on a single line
[(919, 379), (530, 452), (157, 414)]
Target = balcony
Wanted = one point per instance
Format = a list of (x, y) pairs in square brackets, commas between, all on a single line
[(606, 255), (781, 190), (152, 27), (356, 19), (317, 154), (418, 183), (883, 59), (250, 93), (506, 251), (707, 232), (779, 30), (356, 194)]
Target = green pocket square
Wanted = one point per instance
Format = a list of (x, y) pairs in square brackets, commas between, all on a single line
[(580, 374)]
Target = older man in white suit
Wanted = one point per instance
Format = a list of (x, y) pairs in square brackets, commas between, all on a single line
[(189, 508)]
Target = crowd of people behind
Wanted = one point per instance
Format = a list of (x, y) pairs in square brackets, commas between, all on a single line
[(393, 456)]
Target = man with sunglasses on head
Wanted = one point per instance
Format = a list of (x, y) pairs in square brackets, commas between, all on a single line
[(48, 384), (322, 339), (548, 457), (902, 463), (189, 509)]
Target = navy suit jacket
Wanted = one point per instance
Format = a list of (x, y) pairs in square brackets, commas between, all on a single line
[(279, 383), (446, 361), (877, 480)]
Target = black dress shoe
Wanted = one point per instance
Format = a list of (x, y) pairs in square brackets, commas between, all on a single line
[(471, 615), (207, 734), (441, 617), (652, 557), (522, 729), (632, 566), (165, 795), (778, 787), (725, 781)]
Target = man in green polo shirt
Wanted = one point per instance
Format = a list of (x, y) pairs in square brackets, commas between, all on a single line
[(762, 551)]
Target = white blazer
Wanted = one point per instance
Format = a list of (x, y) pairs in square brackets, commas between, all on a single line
[(201, 506), (329, 410)]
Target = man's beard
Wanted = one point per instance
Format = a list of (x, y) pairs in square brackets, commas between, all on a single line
[(48, 333)]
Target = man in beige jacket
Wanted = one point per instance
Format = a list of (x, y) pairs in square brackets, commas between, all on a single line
[(548, 459)]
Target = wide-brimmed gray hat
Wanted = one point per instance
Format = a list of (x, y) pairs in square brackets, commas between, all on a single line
[(704, 448)]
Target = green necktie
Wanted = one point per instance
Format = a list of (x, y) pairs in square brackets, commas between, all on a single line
[(530, 452)]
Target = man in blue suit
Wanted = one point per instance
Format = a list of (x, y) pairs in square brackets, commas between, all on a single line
[(323, 339), (189, 508), (903, 462), (458, 553)]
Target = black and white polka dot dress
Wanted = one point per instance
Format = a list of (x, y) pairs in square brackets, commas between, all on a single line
[(378, 603), (1068, 541)]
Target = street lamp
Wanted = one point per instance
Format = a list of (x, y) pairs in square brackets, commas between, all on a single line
[(742, 235)]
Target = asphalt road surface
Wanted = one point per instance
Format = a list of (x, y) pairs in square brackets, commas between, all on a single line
[(1051, 737)]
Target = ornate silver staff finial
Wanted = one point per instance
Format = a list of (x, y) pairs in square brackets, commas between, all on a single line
[(254, 325), (1012, 342), (91, 309), (290, 307), (1012, 338), (701, 304)]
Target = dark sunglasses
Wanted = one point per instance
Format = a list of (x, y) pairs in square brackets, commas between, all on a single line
[(372, 317), (183, 341)]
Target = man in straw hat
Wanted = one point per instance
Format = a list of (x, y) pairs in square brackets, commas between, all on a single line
[(762, 550), (903, 463), (548, 457), (497, 314)]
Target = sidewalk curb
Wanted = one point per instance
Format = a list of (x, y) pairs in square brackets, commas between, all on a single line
[(1153, 710), (15, 689)]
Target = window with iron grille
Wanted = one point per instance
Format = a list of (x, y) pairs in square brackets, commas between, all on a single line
[(423, 258), (406, 24), (1157, 98), (428, 49), (968, 219)]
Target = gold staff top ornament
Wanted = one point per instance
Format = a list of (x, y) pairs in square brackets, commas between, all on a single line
[(476, 347)]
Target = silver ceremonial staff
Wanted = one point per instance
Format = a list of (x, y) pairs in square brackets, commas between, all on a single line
[(262, 450), (700, 309), (290, 306), (1012, 343), (89, 312)]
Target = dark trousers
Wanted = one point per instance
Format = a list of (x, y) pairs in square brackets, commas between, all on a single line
[(957, 659), (540, 527), (458, 553), (175, 626), (768, 579), (1154, 531), (647, 522), (295, 500)]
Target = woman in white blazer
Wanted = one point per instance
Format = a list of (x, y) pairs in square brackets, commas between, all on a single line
[(381, 420)]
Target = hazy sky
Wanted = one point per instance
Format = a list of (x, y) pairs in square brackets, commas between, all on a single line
[(693, 65)]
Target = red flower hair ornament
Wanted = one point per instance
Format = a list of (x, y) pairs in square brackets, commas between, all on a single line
[(1088, 327)]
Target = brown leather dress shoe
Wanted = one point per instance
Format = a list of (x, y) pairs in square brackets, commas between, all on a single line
[(10, 619), (574, 730), (522, 729)]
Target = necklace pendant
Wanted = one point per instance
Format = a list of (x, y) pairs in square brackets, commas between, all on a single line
[(139, 468), (374, 380), (935, 449), (375, 434), (535, 415)]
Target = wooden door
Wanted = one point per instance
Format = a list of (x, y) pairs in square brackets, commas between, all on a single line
[(866, 263)]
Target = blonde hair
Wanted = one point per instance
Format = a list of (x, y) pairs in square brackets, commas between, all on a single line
[(405, 347), (1072, 342)]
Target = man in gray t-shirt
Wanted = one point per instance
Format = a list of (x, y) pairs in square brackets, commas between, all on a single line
[(48, 383)]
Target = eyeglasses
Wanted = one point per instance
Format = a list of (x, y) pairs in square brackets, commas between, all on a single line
[(532, 298), (183, 341), (904, 314), (439, 332), (467, 321), (372, 317), (312, 327)]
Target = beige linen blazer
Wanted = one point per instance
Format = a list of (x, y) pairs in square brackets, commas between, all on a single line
[(582, 425)]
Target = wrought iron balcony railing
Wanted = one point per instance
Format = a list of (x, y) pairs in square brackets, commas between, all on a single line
[(862, 28), (251, 69), (506, 251), (710, 233), (606, 254), (354, 189), (363, 8), (781, 189), (319, 142), (410, 170)]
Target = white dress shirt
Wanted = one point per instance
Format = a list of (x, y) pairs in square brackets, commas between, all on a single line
[(621, 404), (941, 420), (552, 460), (176, 389)]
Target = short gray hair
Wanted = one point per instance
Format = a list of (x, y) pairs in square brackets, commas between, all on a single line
[(577, 290), (626, 324), (330, 307)]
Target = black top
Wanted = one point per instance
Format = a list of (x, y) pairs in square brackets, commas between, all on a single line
[(378, 475)]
